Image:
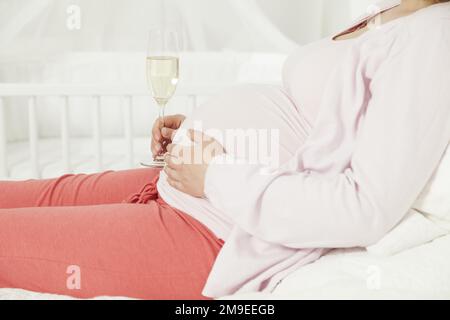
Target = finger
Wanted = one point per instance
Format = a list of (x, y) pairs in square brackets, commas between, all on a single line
[(172, 136), (164, 145), (196, 136), (172, 174), (155, 143), (168, 160), (176, 184), (171, 161), (156, 149), (177, 152), (199, 137), (156, 134), (173, 121), (168, 133), (156, 130)]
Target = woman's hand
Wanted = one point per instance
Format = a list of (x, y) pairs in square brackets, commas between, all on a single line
[(162, 136), (186, 166)]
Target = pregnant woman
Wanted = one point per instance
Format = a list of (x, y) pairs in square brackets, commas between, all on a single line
[(363, 120)]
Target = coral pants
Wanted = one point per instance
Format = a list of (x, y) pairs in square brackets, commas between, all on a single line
[(102, 234)]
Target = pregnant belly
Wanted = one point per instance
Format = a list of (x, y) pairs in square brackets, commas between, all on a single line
[(239, 118)]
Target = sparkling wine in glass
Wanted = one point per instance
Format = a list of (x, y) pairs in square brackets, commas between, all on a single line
[(163, 65)]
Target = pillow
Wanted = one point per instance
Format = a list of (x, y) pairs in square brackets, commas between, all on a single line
[(428, 219), (414, 230)]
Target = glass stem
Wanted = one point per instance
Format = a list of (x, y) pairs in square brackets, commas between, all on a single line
[(162, 107)]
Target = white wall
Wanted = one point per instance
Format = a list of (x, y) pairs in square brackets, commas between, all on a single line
[(359, 6), (298, 19), (307, 20)]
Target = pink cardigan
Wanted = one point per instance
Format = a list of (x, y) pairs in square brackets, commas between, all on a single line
[(383, 126)]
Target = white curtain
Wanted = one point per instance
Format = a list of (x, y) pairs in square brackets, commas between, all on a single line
[(40, 26)]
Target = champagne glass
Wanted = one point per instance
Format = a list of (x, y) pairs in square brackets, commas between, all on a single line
[(162, 71)]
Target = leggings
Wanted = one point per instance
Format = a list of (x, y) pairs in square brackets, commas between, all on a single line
[(106, 234)]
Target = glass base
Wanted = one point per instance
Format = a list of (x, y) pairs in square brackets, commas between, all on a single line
[(158, 162)]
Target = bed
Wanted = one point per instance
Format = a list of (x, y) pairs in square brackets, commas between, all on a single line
[(36, 149), (419, 273)]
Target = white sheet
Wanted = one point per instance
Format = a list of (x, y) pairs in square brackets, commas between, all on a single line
[(82, 159), (419, 273)]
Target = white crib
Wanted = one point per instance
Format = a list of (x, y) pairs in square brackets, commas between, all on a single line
[(103, 110), (65, 93)]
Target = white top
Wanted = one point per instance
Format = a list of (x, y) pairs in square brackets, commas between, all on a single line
[(380, 108)]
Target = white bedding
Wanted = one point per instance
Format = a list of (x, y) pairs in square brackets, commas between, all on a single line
[(82, 160), (419, 273)]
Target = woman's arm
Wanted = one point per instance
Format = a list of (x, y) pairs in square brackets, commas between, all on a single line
[(406, 130)]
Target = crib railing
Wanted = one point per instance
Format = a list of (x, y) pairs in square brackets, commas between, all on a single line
[(65, 93)]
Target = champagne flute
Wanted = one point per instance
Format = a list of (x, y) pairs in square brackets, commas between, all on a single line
[(162, 72)]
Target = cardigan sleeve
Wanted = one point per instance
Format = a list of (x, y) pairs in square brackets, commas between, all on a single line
[(404, 134)]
